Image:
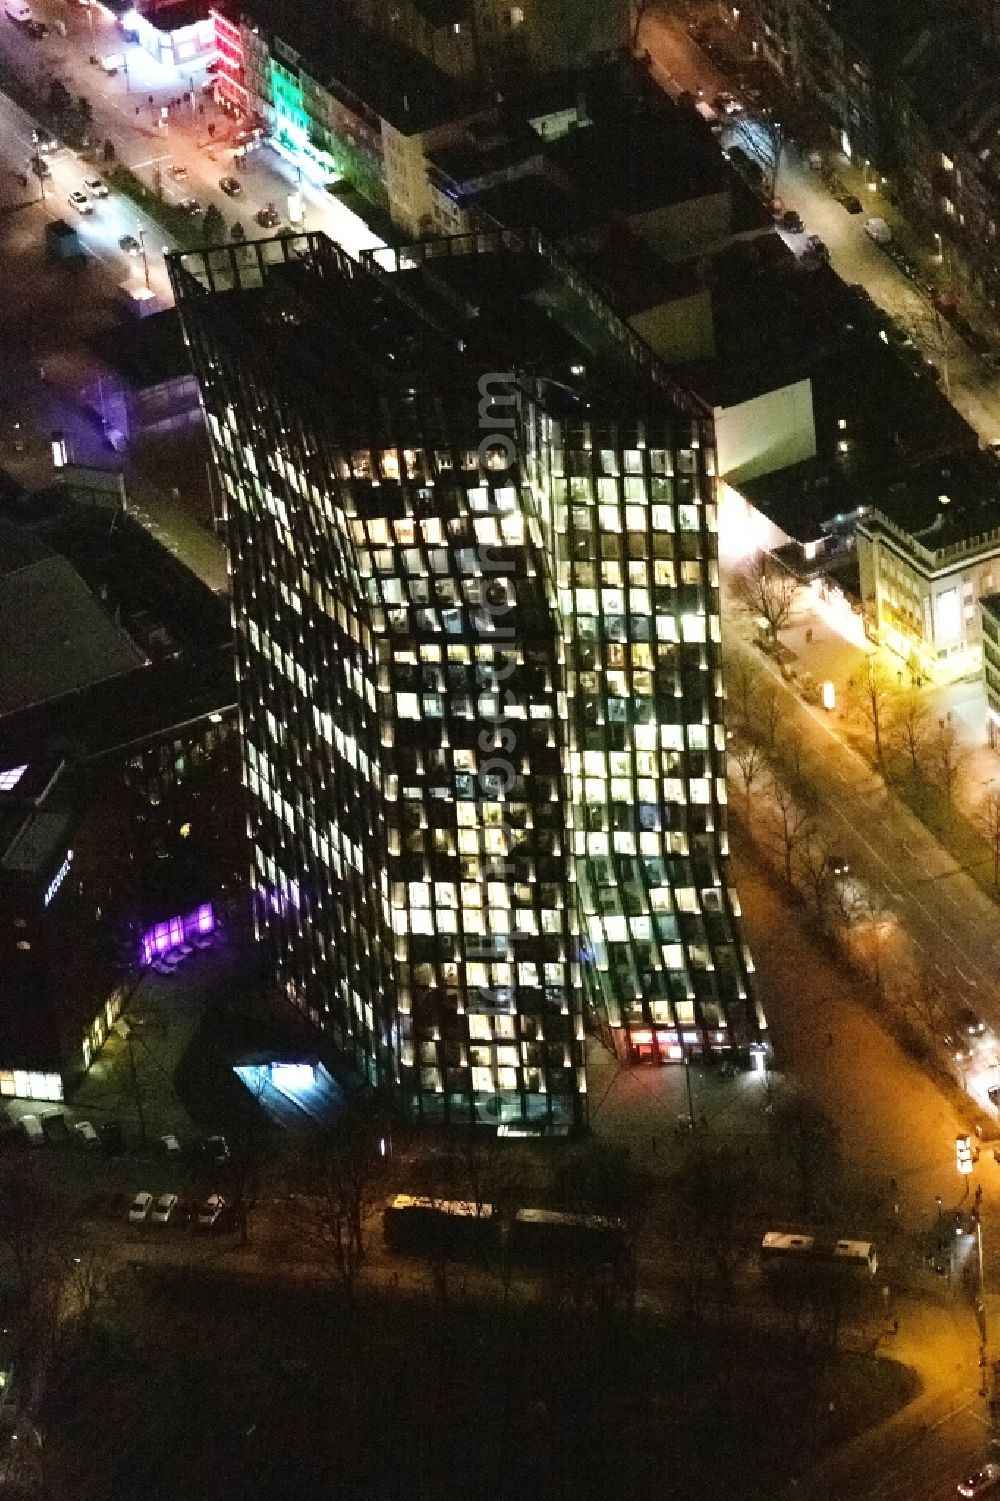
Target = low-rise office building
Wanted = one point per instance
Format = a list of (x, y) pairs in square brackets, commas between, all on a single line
[(119, 812), (928, 552), (989, 620)]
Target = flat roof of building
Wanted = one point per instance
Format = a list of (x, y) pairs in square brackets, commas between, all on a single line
[(337, 50), (402, 341), (881, 29), (42, 834), (952, 503), (54, 636)]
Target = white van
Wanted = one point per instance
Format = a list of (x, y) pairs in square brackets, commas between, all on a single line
[(32, 1128), (18, 11)]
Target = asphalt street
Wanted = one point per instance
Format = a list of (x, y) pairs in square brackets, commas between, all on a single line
[(918, 885), (680, 65)]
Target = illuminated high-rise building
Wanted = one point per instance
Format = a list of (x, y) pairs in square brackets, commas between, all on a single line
[(476, 604)]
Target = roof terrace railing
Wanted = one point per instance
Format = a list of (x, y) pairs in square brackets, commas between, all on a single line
[(421, 253)]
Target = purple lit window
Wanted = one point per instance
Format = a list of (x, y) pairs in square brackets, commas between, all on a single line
[(167, 935)]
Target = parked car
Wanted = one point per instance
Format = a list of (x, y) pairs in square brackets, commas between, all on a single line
[(231, 186), (178, 172), (983, 1482), (130, 245), (112, 1137), (139, 1208), (86, 1134), (96, 187), (211, 1212), (80, 201), (163, 1209), (836, 866), (268, 217), (36, 29), (53, 1123), (190, 206), (32, 1128), (791, 222), (969, 1022), (878, 230), (170, 1145), (209, 1149), (852, 204)]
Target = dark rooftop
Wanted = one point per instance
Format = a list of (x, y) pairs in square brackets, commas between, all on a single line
[(412, 337), (950, 504), (145, 351), (883, 29), (347, 57), (54, 636)]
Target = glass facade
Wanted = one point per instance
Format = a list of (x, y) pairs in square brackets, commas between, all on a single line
[(477, 621)]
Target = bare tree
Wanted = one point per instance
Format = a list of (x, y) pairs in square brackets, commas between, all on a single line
[(793, 763), (340, 1179), (815, 877), (909, 729), (750, 761), (872, 690), (770, 133), (921, 998), (34, 1236), (743, 682), (988, 824), (767, 592), (766, 717), (792, 826), (947, 756)]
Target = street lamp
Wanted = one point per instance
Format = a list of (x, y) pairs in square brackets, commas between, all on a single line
[(687, 1081), (145, 259), (938, 248)]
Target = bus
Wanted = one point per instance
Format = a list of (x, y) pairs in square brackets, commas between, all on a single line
[(546, 1234), (429, 1226), (779, 1247)]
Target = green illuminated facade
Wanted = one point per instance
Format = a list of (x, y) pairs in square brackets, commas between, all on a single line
[(472, 533)]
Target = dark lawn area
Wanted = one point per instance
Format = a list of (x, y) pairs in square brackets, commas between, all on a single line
[(194, 1386)]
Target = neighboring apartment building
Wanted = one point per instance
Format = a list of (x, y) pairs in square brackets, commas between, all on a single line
[(928, 552), (473, 537), (913, 88), (496, 41), (340, 99)]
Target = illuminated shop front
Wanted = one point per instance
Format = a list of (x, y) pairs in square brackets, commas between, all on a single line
[(175, 931), (179, 36), (480, 669)]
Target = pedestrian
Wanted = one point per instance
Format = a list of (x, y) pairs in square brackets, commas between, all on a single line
[(895, 1326), (652, 1145), (829, 1039), (892, 1184)]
